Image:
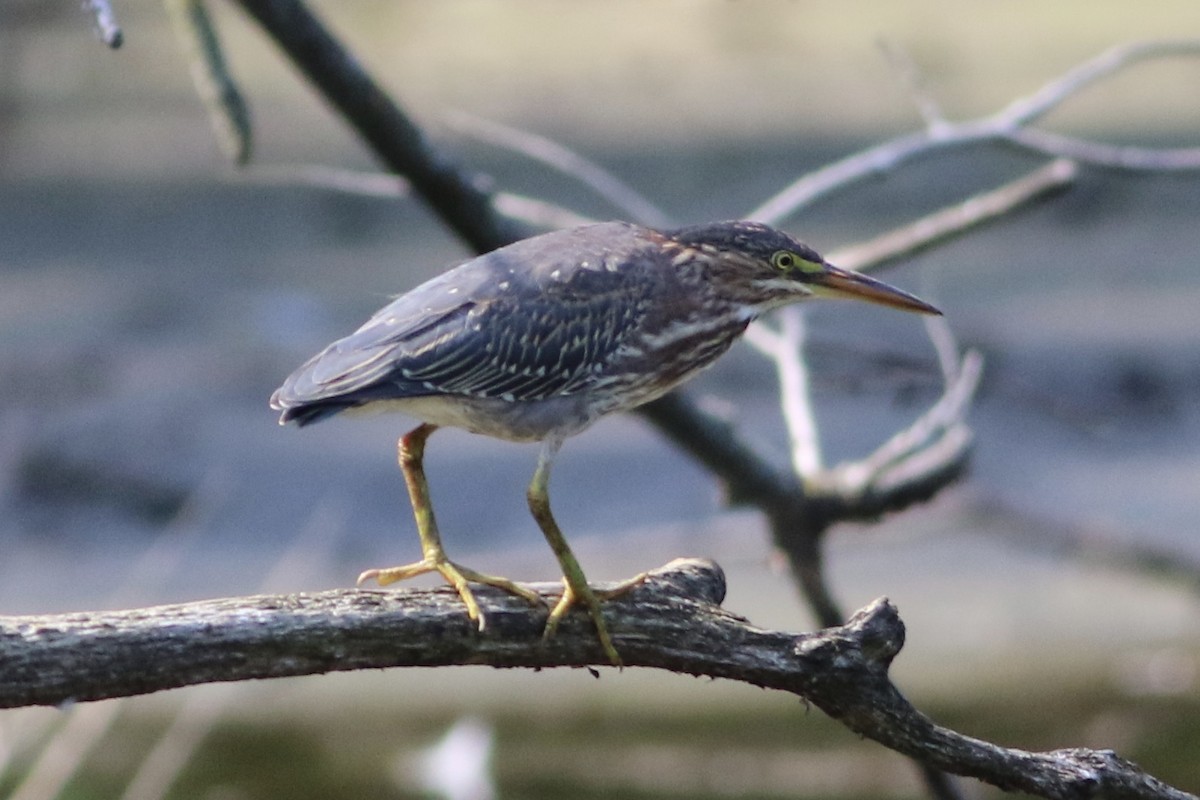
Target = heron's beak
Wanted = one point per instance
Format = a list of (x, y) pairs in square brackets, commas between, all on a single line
[(844, 283)]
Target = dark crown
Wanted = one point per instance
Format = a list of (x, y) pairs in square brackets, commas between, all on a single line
[(752, 238)]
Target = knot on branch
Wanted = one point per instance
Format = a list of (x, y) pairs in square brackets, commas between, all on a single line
[(867, 643), (698, 579), (880, 630)]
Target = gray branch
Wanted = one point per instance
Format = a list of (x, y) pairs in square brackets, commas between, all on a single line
[(1009, 125), (673, 622)]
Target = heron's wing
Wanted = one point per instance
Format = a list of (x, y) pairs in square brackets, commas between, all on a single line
[(481, 330), (553, 343)]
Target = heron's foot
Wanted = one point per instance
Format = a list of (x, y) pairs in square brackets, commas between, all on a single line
[(457, 576), (591, 599)]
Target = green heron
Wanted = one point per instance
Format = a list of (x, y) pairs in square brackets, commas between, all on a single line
[(535, 341)]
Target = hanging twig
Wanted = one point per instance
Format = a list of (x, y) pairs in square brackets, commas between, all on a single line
[(227, 109), (107, 27)]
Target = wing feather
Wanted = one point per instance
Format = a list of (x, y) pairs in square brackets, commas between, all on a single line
[(484, 329)]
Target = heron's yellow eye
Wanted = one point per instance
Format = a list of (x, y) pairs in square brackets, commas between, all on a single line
[(783, 260), (787, 261)]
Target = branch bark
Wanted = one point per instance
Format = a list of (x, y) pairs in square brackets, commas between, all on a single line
[(673, 621)]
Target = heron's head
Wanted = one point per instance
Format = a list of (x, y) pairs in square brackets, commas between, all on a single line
[(755, 265)]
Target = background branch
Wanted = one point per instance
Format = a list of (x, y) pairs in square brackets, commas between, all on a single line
[(958, 219), (1009, 125), (227, 109), (633, 205), (933, 451), (107, 27), (459, 197)]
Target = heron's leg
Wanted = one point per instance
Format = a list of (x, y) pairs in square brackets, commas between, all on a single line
[(412, 455), (575, 585)]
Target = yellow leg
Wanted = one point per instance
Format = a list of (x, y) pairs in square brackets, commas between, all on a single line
[(575, 585), (412, 456)]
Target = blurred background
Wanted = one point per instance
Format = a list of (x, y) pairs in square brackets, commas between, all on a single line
[(151, 300)]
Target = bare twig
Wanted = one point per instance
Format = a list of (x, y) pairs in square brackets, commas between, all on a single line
[(913, 465), (673, 622), (937, 442), (914, 81), (536, 212), (227, 109), (957, 219), (1010, 125), (635, 206), (317, 176), (1097, 154), (527, 210), (1029, 109), (784, 346), (461, 198), (933, 451), (106, 22), (946, 346)]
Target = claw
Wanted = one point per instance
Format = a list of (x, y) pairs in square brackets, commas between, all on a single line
[(457, 576), (591, 599)]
